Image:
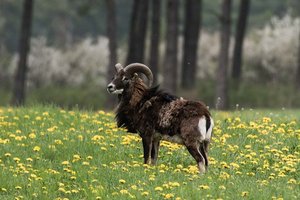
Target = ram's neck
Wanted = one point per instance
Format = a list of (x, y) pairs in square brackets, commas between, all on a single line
[(137, 94), (134, 94)]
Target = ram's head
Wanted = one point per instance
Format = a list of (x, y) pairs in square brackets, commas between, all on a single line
[(125, 76)]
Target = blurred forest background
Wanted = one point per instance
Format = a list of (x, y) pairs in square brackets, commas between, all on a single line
[(231, 54)]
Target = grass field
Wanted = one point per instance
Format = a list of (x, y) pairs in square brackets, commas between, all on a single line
[(51, 153)]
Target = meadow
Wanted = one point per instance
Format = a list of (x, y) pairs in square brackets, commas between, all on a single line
[(52, 153)]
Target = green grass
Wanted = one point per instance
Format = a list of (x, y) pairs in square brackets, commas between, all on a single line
[(51, 153)]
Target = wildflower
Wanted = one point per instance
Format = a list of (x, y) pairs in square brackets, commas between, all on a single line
[(65, 162), (224, 175), (204, 187), (174, 184), (58, 142), (168, 196), (32, 135), (80, 137), (222, 187), (89, 157), (103, 149), (292, 181), (124, 191), (61, 189), (76, 157), (36, 149), (266, 120), (134, 187), (250, 173), (7, 154), (145, 193), (244, 194), (122, 181), (224, 164), (85, 163), (234, 165), (158, 189)]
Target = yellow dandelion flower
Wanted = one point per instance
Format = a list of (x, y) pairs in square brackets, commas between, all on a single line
[(158, 189), (61, 189), (204, 187), (244, 194), (174, 184), (103, 148), (36, 148), (134, 187), (266, 120), (65, 162), (145, 193), (32, 135), (222, 187), (122, 181), (85, 163), (169, 196), (124, 191), (224, 175), (76, 157), (80, 137), (7, 154), (89, 157), (234, 165), (292, 181), (58, 142), (45, 114)]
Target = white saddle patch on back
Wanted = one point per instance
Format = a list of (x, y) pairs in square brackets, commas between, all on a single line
[(202, 128), (209, 131)]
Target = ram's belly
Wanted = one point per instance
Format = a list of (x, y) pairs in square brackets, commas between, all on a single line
[(174, 139)]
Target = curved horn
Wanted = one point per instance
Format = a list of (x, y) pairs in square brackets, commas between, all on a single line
[(118, 67), (139, 68)]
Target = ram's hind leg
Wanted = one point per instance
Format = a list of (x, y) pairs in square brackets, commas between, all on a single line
[(203, 150), (194, 151)]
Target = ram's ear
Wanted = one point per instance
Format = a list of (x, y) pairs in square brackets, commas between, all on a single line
[(135, 76)]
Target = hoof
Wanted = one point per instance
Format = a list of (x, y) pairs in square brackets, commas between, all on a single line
[(202, 168)]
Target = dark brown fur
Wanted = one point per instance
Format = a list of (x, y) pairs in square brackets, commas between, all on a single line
[(150, 111)]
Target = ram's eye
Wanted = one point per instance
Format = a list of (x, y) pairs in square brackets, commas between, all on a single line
[(124, 78)]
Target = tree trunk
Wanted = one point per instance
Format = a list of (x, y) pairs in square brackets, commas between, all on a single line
[(222, 79), (155, 34), (170, 62), (298, 70), (191, 37), (18, 97), (239, 40), (138, 29), (111, 24)]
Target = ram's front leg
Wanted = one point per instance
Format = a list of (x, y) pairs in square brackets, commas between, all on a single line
[(147, 146), (154, 150)]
